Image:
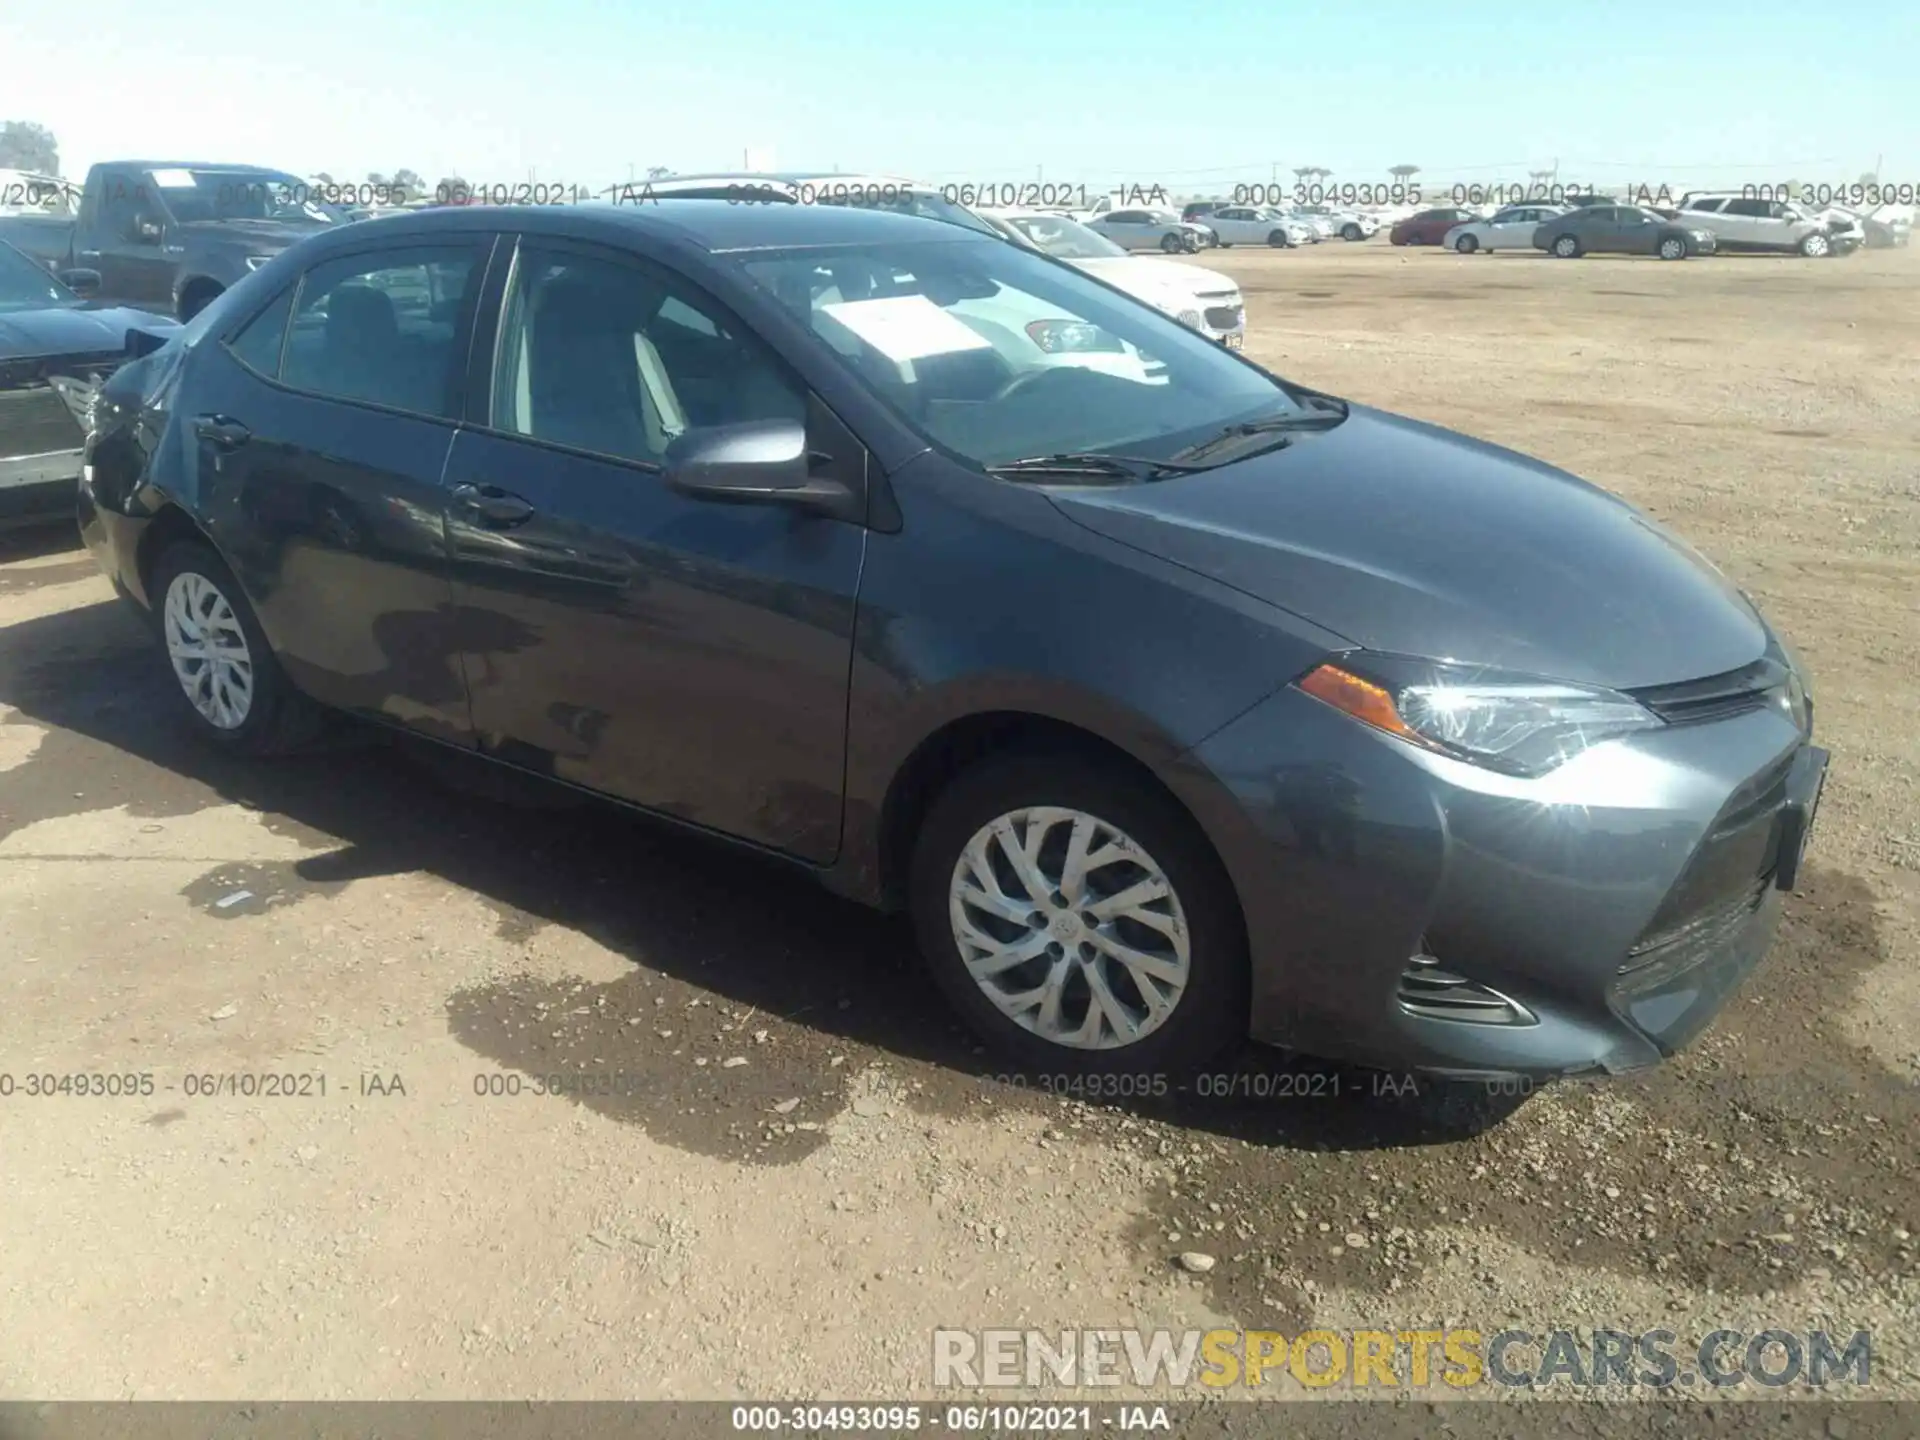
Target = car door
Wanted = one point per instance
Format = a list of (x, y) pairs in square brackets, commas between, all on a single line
[(1639, 231), (321, 428), (123, 237), (1512, 228), (1129, 230), (687, 656)]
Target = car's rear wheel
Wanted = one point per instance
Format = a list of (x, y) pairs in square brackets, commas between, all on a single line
[(1673, 248), (1467, 244), (1815, 246), (1077, 919), (235, 691), (1567, 247)]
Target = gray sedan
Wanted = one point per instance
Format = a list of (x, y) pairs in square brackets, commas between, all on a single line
[(1620, 230)]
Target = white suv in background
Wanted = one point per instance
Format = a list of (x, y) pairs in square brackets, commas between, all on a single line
[(1201, 299), (1745, 222)]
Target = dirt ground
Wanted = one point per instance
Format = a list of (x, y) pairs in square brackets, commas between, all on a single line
[(812, 1169)]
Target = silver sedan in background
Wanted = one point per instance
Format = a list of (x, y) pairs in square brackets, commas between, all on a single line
[(1152, 230)]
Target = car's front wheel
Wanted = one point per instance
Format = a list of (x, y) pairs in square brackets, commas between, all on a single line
[(1816, 246), (1673, 248), (1467, 244), (1351, 231), (1077, 919), (237, 695), (1278, 239), (1173, 244)]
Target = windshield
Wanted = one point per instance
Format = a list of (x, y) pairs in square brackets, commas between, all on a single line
[(1063, 239), (195, 195), (997, 353), (25, 286)]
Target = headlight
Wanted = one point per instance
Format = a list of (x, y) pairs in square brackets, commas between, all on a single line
[(1516, 724), (254, 262), (1797, 704), (1189, 318), (1060, 336)]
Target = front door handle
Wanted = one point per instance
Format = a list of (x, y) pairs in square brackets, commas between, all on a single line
[(221, 432), (495, 508)]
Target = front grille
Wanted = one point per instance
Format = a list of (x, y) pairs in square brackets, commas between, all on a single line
[(1718, 696), (1434, 993), (36, 421), (1225, 317), (1734, 862), (1660, 958)]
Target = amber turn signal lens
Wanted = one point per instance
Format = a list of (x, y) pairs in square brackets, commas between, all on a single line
[(1361, 699)]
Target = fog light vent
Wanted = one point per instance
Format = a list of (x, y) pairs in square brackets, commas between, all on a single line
[(1435, 993)]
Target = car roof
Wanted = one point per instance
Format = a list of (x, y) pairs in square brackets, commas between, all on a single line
[(195, 165), (716, 226)]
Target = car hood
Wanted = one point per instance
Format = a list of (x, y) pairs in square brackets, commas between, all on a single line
[(61, 331), (1407, 538), (1138, 275)]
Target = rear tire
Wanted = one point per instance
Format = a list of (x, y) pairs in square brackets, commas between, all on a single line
[(1567, 247), (1183, 986), (229, 683)]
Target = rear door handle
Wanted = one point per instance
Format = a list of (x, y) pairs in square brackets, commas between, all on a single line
[(495, 508), (221, 432), (87, 255)]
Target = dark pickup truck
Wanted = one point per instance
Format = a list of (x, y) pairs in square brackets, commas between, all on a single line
[(169, 235)]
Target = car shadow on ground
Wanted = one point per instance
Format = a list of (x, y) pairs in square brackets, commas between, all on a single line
[(735, 957)]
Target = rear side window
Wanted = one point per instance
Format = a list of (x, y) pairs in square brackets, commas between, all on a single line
[(258, 344), (385, 327)]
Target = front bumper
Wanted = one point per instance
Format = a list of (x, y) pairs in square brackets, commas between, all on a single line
[(1615, 904)]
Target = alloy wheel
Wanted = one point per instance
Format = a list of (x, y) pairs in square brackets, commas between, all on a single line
[(1070, 928), (208, 650)]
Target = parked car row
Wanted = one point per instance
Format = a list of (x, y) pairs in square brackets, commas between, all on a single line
[(1703, 223)]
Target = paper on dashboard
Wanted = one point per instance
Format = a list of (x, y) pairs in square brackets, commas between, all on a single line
[(906, 327)]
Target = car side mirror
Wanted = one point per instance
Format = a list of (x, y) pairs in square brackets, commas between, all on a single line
[(146, 232), (84, 283), (760, 462)]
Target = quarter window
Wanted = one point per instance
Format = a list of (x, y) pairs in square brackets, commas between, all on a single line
[(258, 344), (385, 328), (618, 359)]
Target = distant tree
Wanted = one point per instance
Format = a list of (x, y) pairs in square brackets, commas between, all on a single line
[(658, 172), (374, 177), (1403, 172), (409, 183), (1869, 177), (27, 146), (449, 187), (323, 177)]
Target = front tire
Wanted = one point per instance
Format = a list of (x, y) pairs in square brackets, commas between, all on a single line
[(1816, 246), (1278, 240), (1171, 244), (1466, 244), (1351, 231), (1673, 248), (232, 686), (1077, 919)]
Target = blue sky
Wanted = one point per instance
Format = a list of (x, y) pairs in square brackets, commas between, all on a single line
[(1195, 96)]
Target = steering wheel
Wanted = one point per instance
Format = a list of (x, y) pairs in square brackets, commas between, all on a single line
[(1029, 379)]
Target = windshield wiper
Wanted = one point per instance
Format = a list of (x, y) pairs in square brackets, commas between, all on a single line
[(1092, 462), (1324, 417)]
